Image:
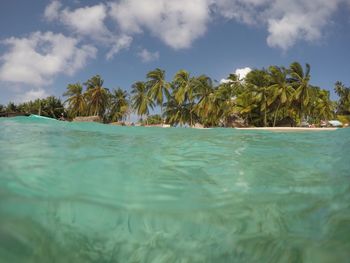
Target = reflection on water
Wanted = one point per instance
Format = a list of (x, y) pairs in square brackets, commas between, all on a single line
[(94, 193)]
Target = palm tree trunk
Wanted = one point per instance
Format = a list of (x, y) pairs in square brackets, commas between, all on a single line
[(276, 112), (265, 115), (301, 113), (191, 116)]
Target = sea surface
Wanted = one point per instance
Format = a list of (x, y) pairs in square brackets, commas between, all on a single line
[(87, 192)]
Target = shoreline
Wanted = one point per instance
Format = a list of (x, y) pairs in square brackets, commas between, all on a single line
[(277, 129)]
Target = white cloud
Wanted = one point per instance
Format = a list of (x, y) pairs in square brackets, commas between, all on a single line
[(89, 22), (225, 81), (52, 10), (245, 11), (287, 22), (122, 42), (86, 20), (36, 59), (179, 23), (176, 23), (299, 21), (31, 95), (242, 72), (148, 56)]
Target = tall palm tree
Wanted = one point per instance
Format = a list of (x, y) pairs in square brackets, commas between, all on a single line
[(183, 90), (204, 92), (159, 87), (263, 97), (324, 106), (300, 79), (224, 97), (183, 86), (76, 100), (257, 82), (141, 101), (282, 91), (119, 104), (97, 96)]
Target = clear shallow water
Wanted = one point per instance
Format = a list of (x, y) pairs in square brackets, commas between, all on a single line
[(87, 192)]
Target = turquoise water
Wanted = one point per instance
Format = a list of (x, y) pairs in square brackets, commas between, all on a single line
[(87, 192)]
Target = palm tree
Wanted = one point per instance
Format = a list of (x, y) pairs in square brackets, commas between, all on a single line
[(300, 79), (245, 104), (76, 99), (183, 86), (11, 107), (324, 106), (97, 96), (141, 100), (281, 90), (344, 98), (177, 113), (207, 107), (183, 90), (257, 82), (119, 104), (263, 97), (158, 86), (52, 107), (224, 97)]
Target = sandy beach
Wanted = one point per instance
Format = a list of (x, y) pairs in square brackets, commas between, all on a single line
[(288, 129)]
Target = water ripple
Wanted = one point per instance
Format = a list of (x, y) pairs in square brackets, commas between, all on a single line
[(96, 193)]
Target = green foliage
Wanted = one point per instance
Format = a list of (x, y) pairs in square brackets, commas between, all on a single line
[(50, 107), (77, 105), (263, 98), (97, 96), (11, 107), (178, 113), (97, 100), (345, 119), (266, 97), (343, 105), (153, 120), (158, 87), (141, 99), (119, 105)]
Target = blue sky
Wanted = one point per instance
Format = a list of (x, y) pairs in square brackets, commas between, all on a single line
[(47, 44)]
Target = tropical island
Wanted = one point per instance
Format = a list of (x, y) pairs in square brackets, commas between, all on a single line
[(274, 97)]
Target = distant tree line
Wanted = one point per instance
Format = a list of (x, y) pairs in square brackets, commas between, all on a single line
[(50, 107), (265, 97)]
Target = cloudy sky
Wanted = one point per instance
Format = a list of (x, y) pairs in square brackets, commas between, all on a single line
[(44, 45)]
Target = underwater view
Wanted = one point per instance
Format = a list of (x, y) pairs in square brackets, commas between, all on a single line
[(87, 192)]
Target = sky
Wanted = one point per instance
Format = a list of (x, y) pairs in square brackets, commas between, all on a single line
[(45, 45)]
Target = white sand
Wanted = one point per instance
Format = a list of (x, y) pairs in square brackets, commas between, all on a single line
[(287, 129)]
